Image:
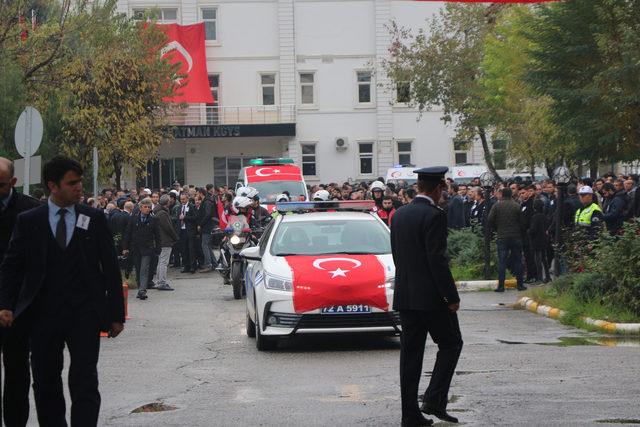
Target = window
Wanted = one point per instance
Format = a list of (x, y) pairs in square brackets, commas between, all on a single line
[(309, 159), (268, 82), (404, 152), (365, 154), (213, 110), (461, 158), (210, 19), (460, 147), (162, 173), (306, 88), (499, 153), (403, 92), (227, 169), (163, 16), (364, 87)]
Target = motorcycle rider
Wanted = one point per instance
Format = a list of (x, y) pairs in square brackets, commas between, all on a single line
[(377, 194)]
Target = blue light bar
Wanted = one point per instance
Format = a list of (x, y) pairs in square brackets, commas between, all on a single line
[(338, 205)]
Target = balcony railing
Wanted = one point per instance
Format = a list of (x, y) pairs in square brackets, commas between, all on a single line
[(238, 115)]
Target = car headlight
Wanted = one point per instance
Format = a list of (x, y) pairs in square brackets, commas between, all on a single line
[(278, 284), (234, 240), (390, 283)]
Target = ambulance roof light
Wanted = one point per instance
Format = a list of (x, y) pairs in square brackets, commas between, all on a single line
[(264, 162)]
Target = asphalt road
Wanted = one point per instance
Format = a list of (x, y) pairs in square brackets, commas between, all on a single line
[(188, 349)]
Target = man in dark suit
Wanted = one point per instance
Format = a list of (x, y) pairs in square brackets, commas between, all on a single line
[(187, 223), (60, 274), (426, 297), (142, 239), (14, 342)]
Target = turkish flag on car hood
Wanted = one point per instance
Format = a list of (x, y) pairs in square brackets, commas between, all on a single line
[(337, 279), (273, 173), (185, 44)]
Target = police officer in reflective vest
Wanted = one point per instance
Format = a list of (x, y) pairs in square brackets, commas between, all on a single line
[(589, 217), (426, 297)]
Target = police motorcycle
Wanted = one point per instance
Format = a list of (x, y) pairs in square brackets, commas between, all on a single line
[(238, 235)]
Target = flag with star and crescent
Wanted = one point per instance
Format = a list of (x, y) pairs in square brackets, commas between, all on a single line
[(337, 279), (273, 173)]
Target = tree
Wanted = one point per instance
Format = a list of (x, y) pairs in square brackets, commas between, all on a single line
[(586, 59), (114, 96), (442, 66), (512, 106)]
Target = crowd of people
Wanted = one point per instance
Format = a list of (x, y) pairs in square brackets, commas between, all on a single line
[(172, 227)]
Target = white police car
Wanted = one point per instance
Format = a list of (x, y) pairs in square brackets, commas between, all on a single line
[(320, 267)]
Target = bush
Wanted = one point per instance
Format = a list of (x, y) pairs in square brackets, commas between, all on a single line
[(611, 265), (563, 283), (589, 286), (465, 248)]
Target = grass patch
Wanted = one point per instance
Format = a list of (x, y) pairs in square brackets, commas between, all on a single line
[(467, 272), (576, 309)]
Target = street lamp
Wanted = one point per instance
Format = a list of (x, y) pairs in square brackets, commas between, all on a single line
[(487, 181), (562, 177)]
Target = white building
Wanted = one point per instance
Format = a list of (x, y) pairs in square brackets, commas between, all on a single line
[(295, 78)]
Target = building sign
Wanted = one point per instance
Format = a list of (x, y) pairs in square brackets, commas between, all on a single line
[(234, 131)]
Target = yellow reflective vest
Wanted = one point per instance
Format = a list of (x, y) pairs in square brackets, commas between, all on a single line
[(583, 216)]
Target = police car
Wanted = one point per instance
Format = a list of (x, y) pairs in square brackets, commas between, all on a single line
[(320, 267)]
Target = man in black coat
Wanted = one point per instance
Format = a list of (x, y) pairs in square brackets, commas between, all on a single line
[(455, 208), (142, 240), (60, 273), (187, 230), (205, 228), (14, 343), (426, 297)]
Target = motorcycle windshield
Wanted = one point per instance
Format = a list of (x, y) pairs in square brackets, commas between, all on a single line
[(238, 223)]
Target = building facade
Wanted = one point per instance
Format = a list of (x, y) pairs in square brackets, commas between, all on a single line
[(299, 79)]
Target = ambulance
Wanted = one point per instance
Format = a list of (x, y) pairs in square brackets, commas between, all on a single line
[(272, 177), (402, 173)]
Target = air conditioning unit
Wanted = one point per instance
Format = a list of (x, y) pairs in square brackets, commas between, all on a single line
[(342, 143)]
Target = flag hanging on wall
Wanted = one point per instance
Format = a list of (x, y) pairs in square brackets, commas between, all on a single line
[(185, 44)]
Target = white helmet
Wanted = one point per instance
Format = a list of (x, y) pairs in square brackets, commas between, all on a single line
[(377, 185), (249, 192), (282, 197), (321, 195), (240, 202)]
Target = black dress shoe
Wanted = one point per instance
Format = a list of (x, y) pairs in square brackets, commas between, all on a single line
[(522, 288), (438, 413), (185, 271), (151, 285), (499, 289), (416, 421)]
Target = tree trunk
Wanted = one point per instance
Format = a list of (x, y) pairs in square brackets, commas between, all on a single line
[(488, 157), (117, 171), (549, 167), (593, 168)]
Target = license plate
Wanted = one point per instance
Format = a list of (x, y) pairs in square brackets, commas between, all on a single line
[(346, 309)]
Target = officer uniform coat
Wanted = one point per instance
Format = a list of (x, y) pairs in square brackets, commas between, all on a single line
[(419, 244)]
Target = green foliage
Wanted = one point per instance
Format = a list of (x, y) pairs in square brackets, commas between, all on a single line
[(465, 249)]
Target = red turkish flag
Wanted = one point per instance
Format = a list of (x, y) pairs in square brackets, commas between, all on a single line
[(185, 44), (337, 279), (273, 173)]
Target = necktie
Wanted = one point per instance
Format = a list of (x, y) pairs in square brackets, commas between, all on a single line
[(61, 229)]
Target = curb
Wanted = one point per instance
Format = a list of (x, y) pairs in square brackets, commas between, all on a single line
[(555, 313), (479, 285)]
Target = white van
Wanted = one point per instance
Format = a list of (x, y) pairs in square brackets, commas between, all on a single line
[(402, 173)]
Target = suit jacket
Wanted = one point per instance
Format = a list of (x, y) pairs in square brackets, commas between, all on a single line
[(190, 219), (142, 237), (419, 244), (456, 212), (17, 204), (23, 270)]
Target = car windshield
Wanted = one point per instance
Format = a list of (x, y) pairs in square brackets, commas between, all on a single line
[(268, 190), (331, 237)]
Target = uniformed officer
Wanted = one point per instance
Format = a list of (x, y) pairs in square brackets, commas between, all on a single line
[(589, 217), (426, 296)]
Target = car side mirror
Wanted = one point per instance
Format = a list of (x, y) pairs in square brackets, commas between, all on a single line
[(251, 254)]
